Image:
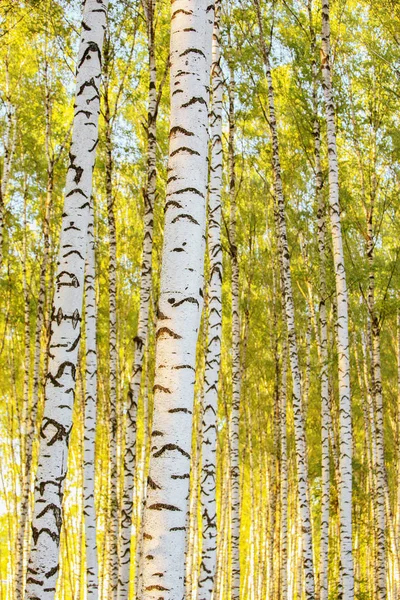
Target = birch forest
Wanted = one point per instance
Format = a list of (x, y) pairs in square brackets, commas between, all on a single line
[(199, 299)]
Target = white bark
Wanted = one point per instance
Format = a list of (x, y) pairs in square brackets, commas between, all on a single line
[(287, 292), (284, 479), (323, 329), (346, 445), (90, 416), (236, 370), (181, 299), (113, 524), (66, 315), (213, 351), (9, 147), (143, 320)]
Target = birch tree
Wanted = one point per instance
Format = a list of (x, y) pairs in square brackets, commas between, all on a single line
[(149, 197), (323, 322), (66, 313), (287, 293), (214, 333), (181, 298), (346, 442), (90, 415), (236, 370)]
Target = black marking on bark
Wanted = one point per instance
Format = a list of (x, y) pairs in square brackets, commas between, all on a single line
[(190, 300), (178, 528), (76, 191), (185, 149), (168, 332), (173, 203), (61, 431), (192, 51), (185, 476), (161, 506), (87, 114), (151, 483), (91, 47), (59, 316), (78, 170), (73, 280), (161, 389), (176, 410), (171, 447), (90, 83), (75, 319), (73, 252), (178, 129), (94, 146), (157, 587), (194, 100), (71, 226), (75, 343), (181, 10), (188, 189)]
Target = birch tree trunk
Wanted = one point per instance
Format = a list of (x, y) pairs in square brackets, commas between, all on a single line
[(112, 303), (346, 444), (323, 328), (66, 314), (90, 416), (40, 319), (181, 298), (236, 370), (9, 147), (143, 320), (23, 516), (213, 351), (301, 450), (284, 478)]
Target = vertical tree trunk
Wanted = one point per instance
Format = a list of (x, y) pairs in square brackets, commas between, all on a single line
[(301, 449), (323, 327), (346, 444), (181, 298), (143, 320), (90, 416), (113, 524), (40, 318), (9, 147), (214, 333), (66, 315), (284, 478), (23, 516), (380, 473), (236, 370)]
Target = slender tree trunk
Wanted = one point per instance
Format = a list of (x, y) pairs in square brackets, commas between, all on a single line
[(380, 472), (236, 370), (9, 147), (90, 416), (346, 444), (284, 478), (143, 320), (214, 333), (301, 449), (66, 315), (113, 524), (23, 517), (181, 299), (40, 319), (323, 328)]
